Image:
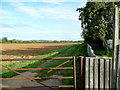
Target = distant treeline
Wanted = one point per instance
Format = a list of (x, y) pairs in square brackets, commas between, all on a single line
[(6, 40)]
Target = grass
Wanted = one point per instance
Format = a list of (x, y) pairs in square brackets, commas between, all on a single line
[(64, 53), (22, 64), (101, 52), (72, 50)]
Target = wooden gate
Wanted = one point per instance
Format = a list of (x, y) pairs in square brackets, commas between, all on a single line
[(68, 59)]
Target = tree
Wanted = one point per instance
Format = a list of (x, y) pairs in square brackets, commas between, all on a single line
[(4, 39), (14, 41), (97, 22)]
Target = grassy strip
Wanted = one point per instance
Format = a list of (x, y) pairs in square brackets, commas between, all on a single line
[(54, 63), (80, 51), (27, 63)]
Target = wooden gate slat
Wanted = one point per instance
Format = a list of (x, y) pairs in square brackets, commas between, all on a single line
[(95, 72), (106, 73), (110, 68), (87, 72), (101, 73), (91, 72)]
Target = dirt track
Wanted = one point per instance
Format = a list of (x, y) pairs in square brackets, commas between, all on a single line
[(30, 50)]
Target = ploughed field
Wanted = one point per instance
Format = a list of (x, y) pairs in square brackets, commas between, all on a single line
[(29, 50)]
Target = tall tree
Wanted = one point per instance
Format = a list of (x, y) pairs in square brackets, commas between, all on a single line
[(97, 22), (4, 39)]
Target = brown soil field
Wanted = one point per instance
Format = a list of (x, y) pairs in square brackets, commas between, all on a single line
[(29, 50)]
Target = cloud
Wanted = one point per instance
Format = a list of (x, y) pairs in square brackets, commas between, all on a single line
[(46, 1), (60, 1), (45, 23), (59, 12), (7, 17), (30, 11), (4, 12), (16, 25), (3, 25), (29, 33)]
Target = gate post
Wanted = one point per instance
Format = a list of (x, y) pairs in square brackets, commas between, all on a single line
[(115, 48), (74, 71), (82, 72)]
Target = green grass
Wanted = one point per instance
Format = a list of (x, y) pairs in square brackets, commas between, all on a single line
[(64, 53), (74, 50), (23, 64), (101, 52)]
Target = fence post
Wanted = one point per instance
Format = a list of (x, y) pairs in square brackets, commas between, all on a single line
[(82, 74), (115, 47)]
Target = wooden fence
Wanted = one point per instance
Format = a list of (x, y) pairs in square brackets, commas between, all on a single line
[(97, 72)]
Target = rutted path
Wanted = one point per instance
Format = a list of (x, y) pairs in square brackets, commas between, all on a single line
[(17, 83)]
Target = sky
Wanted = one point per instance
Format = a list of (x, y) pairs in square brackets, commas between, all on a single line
[(40, 19)]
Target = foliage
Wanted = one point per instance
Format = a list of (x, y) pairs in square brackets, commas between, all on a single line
[(101, 53), (97, 19), (4, 39)]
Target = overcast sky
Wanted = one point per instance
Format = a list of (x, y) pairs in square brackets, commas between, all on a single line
[(40, 19)]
